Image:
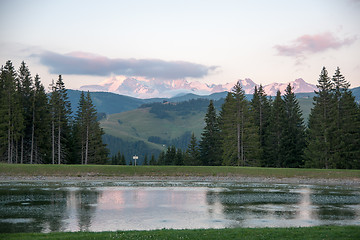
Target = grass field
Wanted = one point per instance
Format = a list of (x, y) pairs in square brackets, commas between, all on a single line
[(171, 171), (322, 232)]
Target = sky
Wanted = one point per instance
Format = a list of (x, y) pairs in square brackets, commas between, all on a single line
[(207, 41)]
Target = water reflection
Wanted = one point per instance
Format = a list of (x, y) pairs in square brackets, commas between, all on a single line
[(98, 207), (306, 213)]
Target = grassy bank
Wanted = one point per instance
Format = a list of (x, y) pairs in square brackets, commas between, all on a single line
[(322, 232), (27, 170)]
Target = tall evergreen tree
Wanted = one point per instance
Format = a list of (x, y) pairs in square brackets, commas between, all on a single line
[(60, 115), (346, 141), (293, 139), (40, 133), (11, 117), (274, 134), (321, 124), (210, 145), (89, 133), (25, 94), (239, 134), (260, 108)]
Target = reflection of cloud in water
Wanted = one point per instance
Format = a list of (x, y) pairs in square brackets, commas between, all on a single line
[(305, 213)]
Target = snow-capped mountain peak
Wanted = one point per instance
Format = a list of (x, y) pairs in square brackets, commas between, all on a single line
[(145, 88)]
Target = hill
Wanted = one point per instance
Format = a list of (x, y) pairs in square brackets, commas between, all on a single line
[(155, 126)]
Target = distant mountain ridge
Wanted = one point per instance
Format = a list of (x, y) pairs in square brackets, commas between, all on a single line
[(111, 103), (144, 88)]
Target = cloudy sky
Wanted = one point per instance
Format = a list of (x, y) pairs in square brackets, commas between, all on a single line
[(207, 41)]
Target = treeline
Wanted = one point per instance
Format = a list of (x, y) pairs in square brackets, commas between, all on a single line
[(36, 127), (272, 133)]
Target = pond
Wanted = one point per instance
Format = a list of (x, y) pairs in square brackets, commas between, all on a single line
[(136, 205)]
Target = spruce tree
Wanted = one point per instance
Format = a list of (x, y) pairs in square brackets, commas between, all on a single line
[(40, 129), (346, 141), (240, 139), (11, 117), (321, 125), (192, 153), (293, 139), (274, 134), (210, 145), (60, 115), (89, 133), (25, 95), (260, 108)]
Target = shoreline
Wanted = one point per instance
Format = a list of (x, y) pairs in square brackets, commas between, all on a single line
[(294, 180)]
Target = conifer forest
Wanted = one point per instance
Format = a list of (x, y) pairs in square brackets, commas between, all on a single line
[(38, 127)]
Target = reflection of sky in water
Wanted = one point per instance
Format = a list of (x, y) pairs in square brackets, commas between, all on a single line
[(178, 205)]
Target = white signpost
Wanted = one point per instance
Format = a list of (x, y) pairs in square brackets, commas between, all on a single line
[(135, 158)]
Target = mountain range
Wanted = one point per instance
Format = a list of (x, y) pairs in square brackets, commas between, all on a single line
[(144, 88)]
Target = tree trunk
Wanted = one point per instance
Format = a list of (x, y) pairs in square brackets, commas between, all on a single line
[(22, 151), (238, 145), (9, 143), (16, 152), (59, 145), (53, 141), (32, 137), (242, 139), (87, 144), (82, 150)]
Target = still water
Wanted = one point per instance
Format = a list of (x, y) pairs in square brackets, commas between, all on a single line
[(110, 206)]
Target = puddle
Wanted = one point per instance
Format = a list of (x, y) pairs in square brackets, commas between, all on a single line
[(111, 206)]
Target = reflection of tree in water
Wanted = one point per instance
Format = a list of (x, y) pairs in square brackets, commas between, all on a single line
[(247, 203), (56, 210), (32, 210), (86, 201)]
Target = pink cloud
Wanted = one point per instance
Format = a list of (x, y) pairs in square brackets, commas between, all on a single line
[(313, 44)]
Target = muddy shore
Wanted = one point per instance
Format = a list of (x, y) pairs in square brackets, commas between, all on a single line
[(320, 181)]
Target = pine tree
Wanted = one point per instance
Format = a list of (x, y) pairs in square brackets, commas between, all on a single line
[(192, 153), (25, 95), (60, 114), (40, 133), (274, 134), (293, 139), (321, 125), (346, 141), (11, 117), (260, 108), (240, 138), (89, 133), (210, 148)]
